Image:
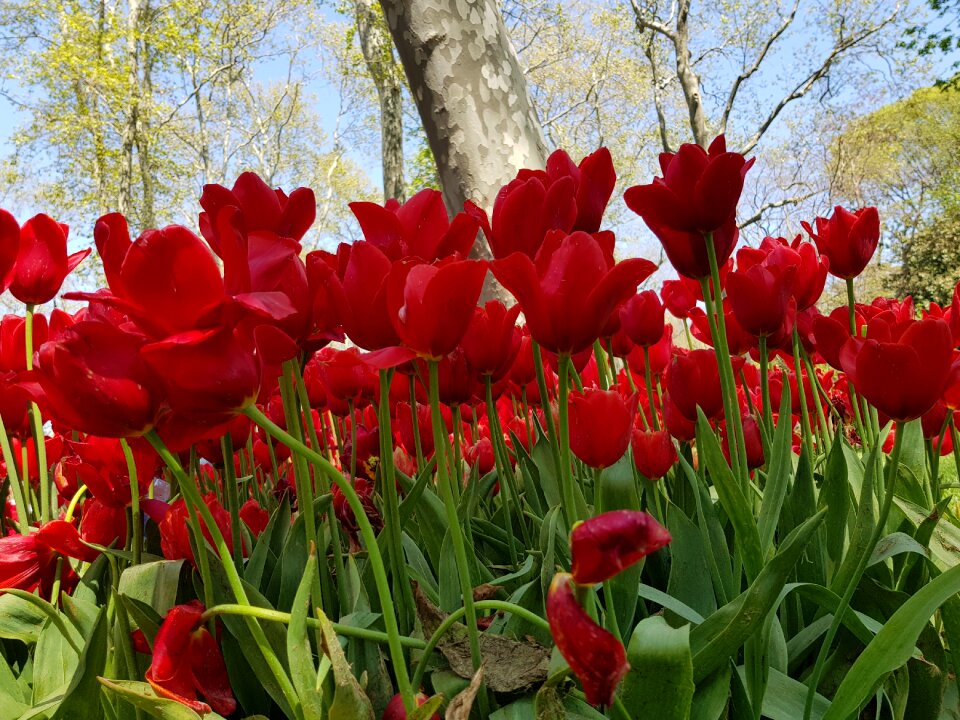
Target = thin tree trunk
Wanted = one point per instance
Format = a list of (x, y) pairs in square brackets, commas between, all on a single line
[(377, 48), (689, 80), (471, 93), (128, 135)]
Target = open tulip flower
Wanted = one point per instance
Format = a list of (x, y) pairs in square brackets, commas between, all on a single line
[(606, 544)]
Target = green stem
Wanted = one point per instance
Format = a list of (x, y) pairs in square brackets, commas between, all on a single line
[(566, 469), (444, 484), (192, 495), (765, 386), (42, 469), (545, 403), (369, 539), (648, 381), (136, 519), (415, 417), (23, 509), (804, 411), (503, 468), (233, 498), (841, 609), (452, 618)]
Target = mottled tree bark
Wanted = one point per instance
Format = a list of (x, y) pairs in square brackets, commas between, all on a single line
[(471, 94), (377, 47)]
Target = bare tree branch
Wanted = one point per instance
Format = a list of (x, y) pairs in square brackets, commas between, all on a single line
[(783, 202)]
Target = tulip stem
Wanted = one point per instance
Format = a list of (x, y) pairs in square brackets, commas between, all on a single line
[(508, 481), (192, 495), (136, 518), (566, 471), (452, 618), (765, 385), (445, 485), (37, 424), (545, 403), (854, 581), (391, 503), (233, 497), (415, 423), (804, 410), (648, 381), (369, 539), (23, 510)]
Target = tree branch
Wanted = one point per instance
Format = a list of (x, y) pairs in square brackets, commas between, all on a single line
[(643, 23), (756, 217)]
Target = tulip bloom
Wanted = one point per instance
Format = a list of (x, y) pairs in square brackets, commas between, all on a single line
[(611, 542), (187, 663), (641, 318), (697, 195), (571, 289), (28, 562), (41, 262), (596, 657), (432, 305), (694, 380), (653, 453), (564, 197), (172, 522), (901, 369), (600, 423), (761, 296), (847, 239), (419, 228), (491, 343), (396, 711)]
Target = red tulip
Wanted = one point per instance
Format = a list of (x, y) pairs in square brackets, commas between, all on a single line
[(752, 441), (698, 194), (596, 657), (653, 452), (564, 197), (600, 424), (261, 209), (344, 513), (345, 375), (396, 711), (641, 318), (29, 562), (901, 369), (678, 298), (491, 343), (694, 380), (570, 291), (847, 239), (609, 543), (419, 228), (187, 663), (811, 268), (174, 533), (93, 380), (760, 292), (431, 305), (42, 263), (254, 517)]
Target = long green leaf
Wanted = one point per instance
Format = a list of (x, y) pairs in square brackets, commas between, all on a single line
[(779, 470), (660, 680)]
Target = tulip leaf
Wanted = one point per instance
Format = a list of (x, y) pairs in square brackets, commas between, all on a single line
[(269, 545), (710, 698), (945, 538), (779, 471), (718, 637), (618, 491), (349, 700), (427, 710), (690, 578), (55, 661), (660, 680), (893, 645), (142, 696), (785, 698), (82, 698), (20, 619), (144, 617), (731, 497), (863, 526), (153, 583), (835, 497), (303, 671)]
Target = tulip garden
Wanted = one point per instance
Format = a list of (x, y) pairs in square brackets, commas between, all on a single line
[(241, 481)]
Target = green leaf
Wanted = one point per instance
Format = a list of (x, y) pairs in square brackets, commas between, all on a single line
[(349, 700), (710, 698), (785, 698), (55, 662), (893, 645), (716, 639), (779, 471), (618, 491), (142, 696), (20, 619), (660, 680), (835, 497), (945, 540), (303, 672), (153, 583), (670, 603), (731, 497), (427, 710), (690, 578), (82, 699), (269, 544)]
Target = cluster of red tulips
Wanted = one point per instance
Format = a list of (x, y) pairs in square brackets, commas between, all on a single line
[(353, 435)]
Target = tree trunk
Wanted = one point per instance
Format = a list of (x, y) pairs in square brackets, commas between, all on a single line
[(377, 48), (471, 93), (128, 134), (689, 80)]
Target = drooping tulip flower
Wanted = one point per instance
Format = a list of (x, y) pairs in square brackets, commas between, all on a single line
[(570, 291), (564, 197), (697, 195), (641, 318), (188, 664), (419, 228), (41, 264), (491, 343), (596, 657), (262, 209), (653, 452), (600, 424), (344, 513), (432, 305), (29, 562), (174, 532), (847, 239), (94, 380), (611, 542), (901, 369)]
